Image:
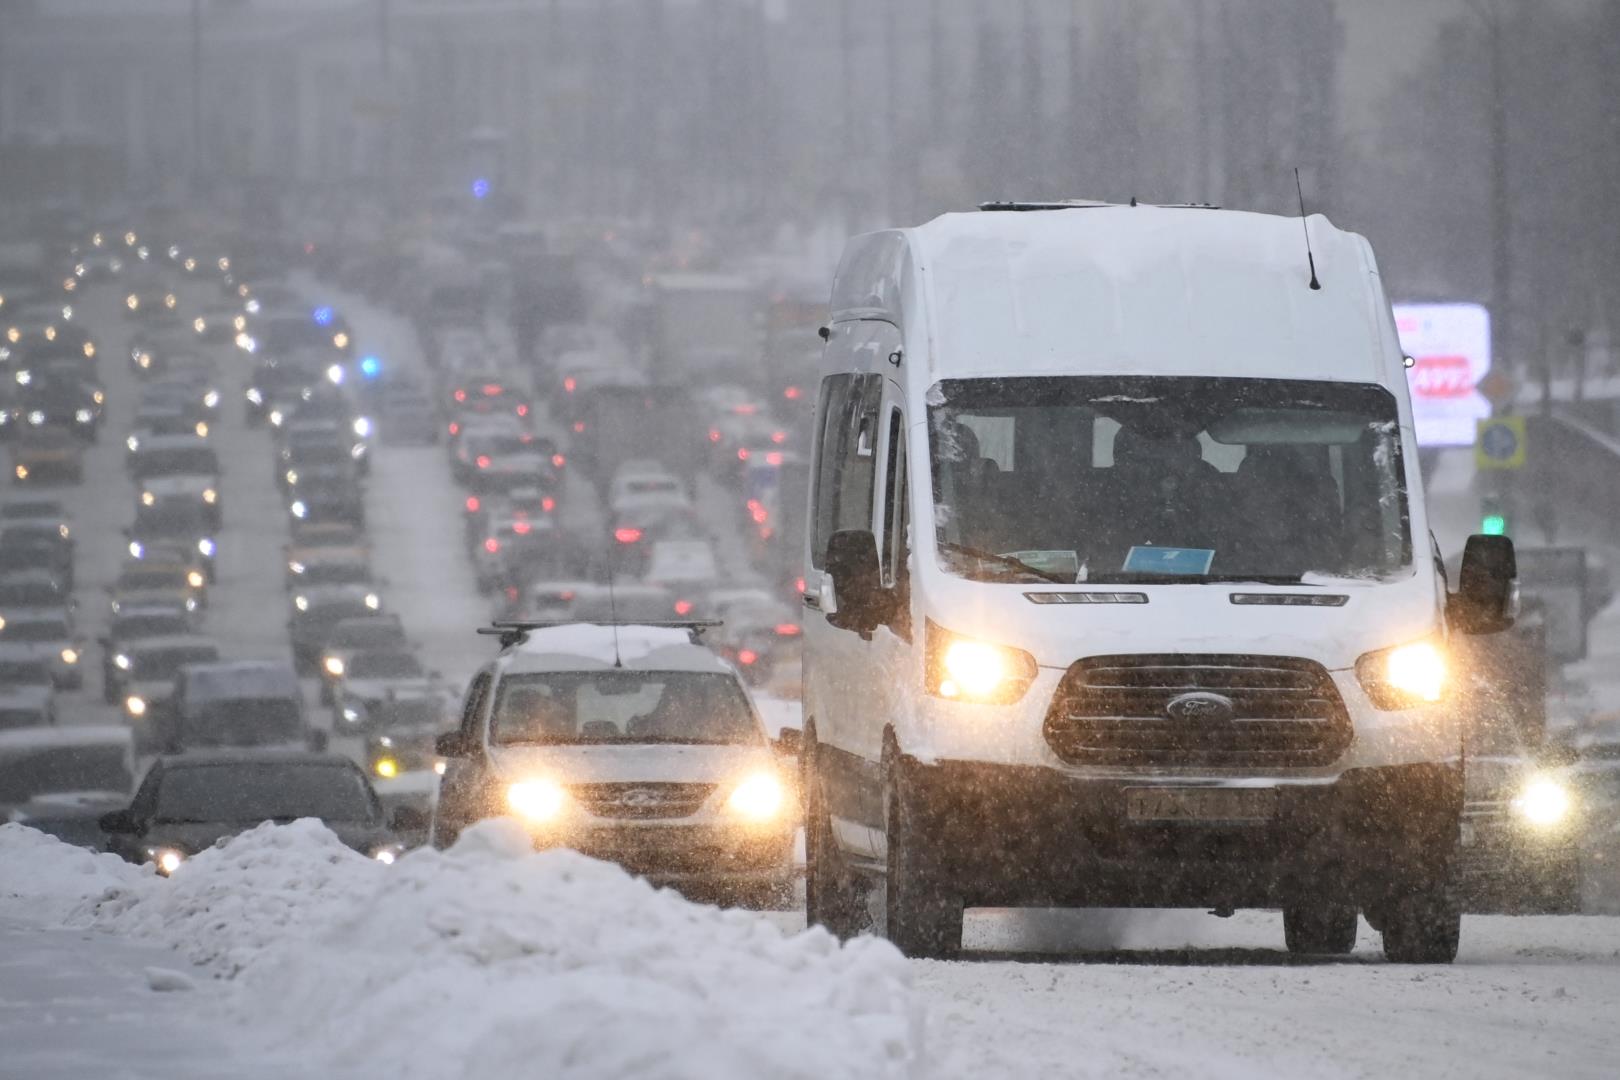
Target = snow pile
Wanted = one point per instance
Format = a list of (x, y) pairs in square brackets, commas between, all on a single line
[(45, 879), (492, 960)]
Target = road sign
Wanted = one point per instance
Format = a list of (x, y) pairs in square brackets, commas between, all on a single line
[(1499, 443), (1450, 347)]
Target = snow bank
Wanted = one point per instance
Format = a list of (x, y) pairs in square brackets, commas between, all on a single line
[(43, 879), (492, 960)]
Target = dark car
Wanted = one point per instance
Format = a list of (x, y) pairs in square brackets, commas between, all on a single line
[(60, 780), (145, 673), (317, 610), (33, 589), (61, 401), (187, 804), (131, 625), (277, 380), (30, 545), (320, 499), (187, 528)]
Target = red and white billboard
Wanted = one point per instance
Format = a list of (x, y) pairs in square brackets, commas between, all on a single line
[(1450, 345)]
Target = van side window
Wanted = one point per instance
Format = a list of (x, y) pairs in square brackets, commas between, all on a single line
[(894, 547), (477, 694), (846, 461)]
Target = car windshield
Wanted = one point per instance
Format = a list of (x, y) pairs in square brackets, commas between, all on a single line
[(1125, 480), (197, 462), (35, 630), (245, 721), (622, 707), (31, 594), (248, 793), (162, 665), (336, 574), (132, 627), (384, 665), (24, 673), (367, 633), (152, 579), (48, 769)]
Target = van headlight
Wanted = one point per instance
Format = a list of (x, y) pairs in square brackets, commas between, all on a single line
[(135, 705), (758, 798), (537, 801), (1406, 676), (1543, 801), (210, 496), (334, 666), (148, 499), (963, 669), (70, 656)]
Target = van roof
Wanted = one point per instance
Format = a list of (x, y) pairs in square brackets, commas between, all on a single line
[(1120, 289)]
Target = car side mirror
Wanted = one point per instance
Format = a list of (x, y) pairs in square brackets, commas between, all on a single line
[(450, 744), (1487, 596), (789, 742), (852, 563), (118, 822), (409, 819)]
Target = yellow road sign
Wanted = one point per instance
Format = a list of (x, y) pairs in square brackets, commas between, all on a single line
[(1499, 443)]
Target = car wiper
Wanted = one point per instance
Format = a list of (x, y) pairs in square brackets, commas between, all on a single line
[(1012, 562), (182, 821)]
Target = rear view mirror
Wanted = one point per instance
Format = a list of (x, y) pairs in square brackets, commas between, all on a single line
[(1487, 596), (852, 563), (117, 822)]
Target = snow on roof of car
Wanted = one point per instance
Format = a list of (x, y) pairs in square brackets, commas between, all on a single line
[(589, 647), (1109, 289)]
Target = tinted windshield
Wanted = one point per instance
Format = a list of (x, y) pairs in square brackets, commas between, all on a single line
[(245, 722), (24, 673), (381, 665), (336, 574), (367, 634), (250, 793), (1167, 479), (176, 463), (164, 664), (152, 579), (49, 630), (622, 707), (142, 626), (63, 768), (29, 594)]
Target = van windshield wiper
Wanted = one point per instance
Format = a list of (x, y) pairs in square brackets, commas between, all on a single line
[(1149, 578), (1012, 562)]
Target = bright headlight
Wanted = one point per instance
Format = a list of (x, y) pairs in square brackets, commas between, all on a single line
[(758, 798), (148, 499), (301, 603), (536, 800), (335, 373), (195, 579), (362, 426), (276, 417), (1404, 677), (135, 705), (254, 395), (299, 509), (1543, 801), (211, 399), (121, 662), (210, 496), (341, 340), (36, 418), (385, 767), (206, 547), (201, 429), (967, 670), (386, 855), (167, 860), (292, 477), (82, 416), (334, 665), (133, 443), (137, 550), (70, 656), (373, 601)]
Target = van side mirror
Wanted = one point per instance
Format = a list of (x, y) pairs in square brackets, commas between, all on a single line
[(118, 822), (852, 563), (1487, 596), (450, 744)]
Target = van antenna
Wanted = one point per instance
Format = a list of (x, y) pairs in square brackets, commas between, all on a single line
[(1300, 191), (613, 613)]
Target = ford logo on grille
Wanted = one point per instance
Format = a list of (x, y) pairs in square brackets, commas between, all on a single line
[(1200, 707)]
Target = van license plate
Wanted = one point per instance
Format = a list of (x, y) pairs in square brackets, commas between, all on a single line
[(1200, 804)]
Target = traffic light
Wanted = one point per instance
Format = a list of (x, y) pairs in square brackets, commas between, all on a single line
[(1493, 516)]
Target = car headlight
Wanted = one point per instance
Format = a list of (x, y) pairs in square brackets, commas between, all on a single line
[(333, 665), (276, 417), (148, 498), (121, 662), (206, 547), (133, 443), (210, 496), (201, 429), (537, 800), (83, 416), (758, 798), (301, 603), (36, 418), (299, 509), (967, 670), (144, 360), (387, 854), (362, 427), (292, 477), (167, 860), (373, 601), (1404, 677), (385, 767), (211, 399), (1544, 801), (22, 472), (295, 567), (137, 550), (255, 395), (199, 324), (439, 766), (135, 705), (334, 374), (70, 656), (191, 603), (196, 579), (351, 714), (341, 340)]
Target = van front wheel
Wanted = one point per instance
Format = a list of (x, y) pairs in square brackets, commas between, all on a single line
[(922, 913)]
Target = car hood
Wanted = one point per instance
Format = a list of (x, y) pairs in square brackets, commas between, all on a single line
[(647, 762), (192, 837)]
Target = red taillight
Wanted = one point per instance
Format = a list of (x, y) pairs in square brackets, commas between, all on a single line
[(579, 426), (523, 410), (792, 393), (745, 409), (569, 384), (548, 504), (774, 457), (714, 434), (778, 437), (798, 584), (309, 249), (525, 439), (492, 545), (483, 461), (787, 629), (746, 656), (759, 514), (521, 527), (567, 596), (511, 594), (627, 535), (742, 453), (683, 607), (558, 461), (492, 389), (461, 395), (455, 429), (472, 504)]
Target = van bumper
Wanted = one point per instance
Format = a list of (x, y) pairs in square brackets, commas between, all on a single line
[(1033, 836)]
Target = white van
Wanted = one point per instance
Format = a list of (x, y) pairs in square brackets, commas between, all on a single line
[(1121, 587)]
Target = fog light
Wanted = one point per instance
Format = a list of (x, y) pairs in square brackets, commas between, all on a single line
[(758, 798), (536, 800), (1543, 802)]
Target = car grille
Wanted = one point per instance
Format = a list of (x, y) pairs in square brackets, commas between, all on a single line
[(1131, 710), (642, 800)]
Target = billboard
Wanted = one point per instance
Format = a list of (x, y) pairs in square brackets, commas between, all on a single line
[(1450, 345)]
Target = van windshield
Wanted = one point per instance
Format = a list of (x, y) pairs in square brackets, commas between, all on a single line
[(1167, 480)]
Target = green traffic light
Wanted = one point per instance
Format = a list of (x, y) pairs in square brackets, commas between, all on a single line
[(1494, 525)]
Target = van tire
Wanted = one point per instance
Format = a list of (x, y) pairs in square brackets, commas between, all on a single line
[(833, 895), (922, 915), (1316, 927), (1423, 928)]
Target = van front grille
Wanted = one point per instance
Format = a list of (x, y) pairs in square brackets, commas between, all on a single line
[(642, 800), (1221, 711)]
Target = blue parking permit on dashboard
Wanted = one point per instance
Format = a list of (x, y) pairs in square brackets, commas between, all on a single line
[(1168, 560)]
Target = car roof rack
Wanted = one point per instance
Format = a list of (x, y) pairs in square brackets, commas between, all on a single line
[(516, 631)]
